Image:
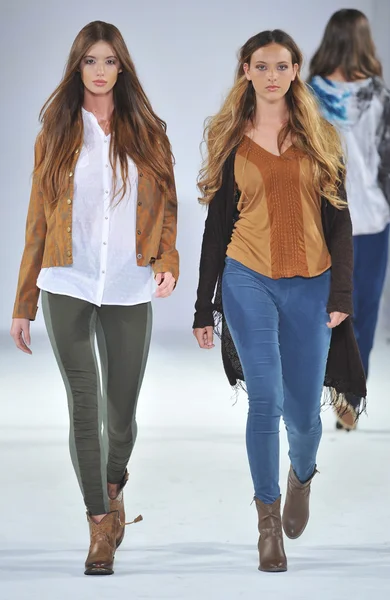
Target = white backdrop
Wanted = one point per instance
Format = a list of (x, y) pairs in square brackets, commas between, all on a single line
[(185, 53)]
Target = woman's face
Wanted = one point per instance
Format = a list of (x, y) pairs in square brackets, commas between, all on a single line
[(271, 72), (100, 68)]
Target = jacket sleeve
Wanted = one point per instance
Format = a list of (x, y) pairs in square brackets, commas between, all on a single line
[(341, 251), (210, 263), (168, 257), (27, 291)]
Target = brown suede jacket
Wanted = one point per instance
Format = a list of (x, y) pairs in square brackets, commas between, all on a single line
[(49, 235)]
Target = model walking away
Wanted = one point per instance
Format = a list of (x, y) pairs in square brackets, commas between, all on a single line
[(101, 227), (277, 247), (346, 76)]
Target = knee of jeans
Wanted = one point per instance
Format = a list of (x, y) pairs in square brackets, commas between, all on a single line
[(304, 425), (264, 425), (263, 415)]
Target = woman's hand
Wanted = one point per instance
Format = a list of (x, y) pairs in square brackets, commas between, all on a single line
[(20, 331), (205, 337), (166, 284), (336, 318)]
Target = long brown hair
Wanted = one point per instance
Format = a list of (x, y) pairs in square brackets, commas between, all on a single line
[(137, 132), (347, 45), (306, 127)]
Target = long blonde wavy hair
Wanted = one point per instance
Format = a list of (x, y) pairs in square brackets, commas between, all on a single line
[(137, 132), (306, 128)]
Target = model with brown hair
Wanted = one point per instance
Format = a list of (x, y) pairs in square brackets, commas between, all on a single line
[(346, 75), (277, 247), (101, 229)]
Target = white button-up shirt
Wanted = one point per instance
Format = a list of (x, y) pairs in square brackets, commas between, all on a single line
[(104, 269)]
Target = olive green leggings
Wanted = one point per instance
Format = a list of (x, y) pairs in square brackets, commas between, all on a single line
[(102, 410)]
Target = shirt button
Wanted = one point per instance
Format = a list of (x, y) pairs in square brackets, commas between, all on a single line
[(69, 201), (106, 166), (105, 141), (103, 272), (68, 230), (139, 233), (139, 203), (104, 243), (71, 174), (69, 253), (77, 151), (139, 255), (141, 174), (106, 218), (106, 192)]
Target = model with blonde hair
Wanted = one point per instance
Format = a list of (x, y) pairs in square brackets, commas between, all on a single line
[(277, 254), (101, 227), (346, 76)]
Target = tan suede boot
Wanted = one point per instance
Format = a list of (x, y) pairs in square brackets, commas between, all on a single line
[(346, 417), (345, 411), (271, 548), (100, 559), (296, 508), (119, 505)]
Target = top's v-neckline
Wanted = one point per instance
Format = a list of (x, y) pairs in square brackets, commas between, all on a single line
[(267, 151)]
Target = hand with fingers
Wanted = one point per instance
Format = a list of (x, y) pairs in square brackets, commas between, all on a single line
[(204, 337), (166, 284), (336, 318), (20, 331)]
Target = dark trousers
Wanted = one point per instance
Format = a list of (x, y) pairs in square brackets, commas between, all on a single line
[(101, 409), (370, 263)]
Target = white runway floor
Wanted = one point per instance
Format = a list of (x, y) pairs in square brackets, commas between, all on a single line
[(190, 480)]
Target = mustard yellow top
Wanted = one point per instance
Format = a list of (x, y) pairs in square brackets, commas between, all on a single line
[(279, 232)]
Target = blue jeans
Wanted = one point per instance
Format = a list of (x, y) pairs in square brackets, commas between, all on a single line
[(370, 264), (280, 333)]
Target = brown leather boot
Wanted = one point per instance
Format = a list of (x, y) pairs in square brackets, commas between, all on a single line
[(119, 505), (271, 548), (296, 508), (100, 559)]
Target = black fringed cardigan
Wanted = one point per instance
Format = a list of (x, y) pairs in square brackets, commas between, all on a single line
[(344, 370)]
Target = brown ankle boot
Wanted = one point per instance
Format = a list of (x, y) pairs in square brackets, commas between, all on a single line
[(100, 559), (296, 509), (271, 548)]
